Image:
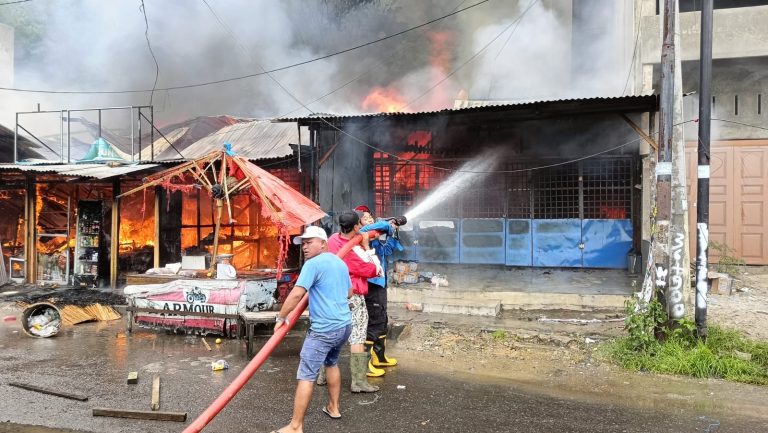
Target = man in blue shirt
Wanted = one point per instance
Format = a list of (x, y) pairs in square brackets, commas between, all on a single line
[(326, 278)]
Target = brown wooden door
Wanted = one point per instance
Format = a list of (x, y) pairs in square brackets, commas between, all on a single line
[(738, 198)]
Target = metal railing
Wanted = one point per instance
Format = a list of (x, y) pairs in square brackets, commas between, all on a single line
[(65, 137)]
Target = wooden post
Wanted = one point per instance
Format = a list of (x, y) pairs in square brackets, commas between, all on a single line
[(215, 252), (114, 247), (30, 246), (156, 250)]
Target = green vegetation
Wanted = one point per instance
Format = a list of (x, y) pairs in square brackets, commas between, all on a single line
[(499, 335), (725, 354), (727, 262)]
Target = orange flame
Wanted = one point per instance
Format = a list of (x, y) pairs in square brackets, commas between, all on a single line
[(384, 99)]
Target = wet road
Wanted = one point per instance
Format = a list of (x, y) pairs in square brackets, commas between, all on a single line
[(94, 360)]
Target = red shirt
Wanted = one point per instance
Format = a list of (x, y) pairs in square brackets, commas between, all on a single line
[(359, 269)]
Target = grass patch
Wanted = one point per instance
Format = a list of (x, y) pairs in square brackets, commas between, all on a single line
[(499, 335), (726, 354)]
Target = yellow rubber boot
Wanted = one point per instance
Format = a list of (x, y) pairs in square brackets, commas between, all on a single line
[(374, 372), (378, 356)]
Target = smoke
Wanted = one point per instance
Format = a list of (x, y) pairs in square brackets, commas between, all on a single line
[(89, 45)]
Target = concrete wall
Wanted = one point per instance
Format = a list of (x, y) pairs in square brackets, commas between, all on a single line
[(739, 71), (6, 55)]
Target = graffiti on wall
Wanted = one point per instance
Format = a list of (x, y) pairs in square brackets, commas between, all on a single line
[(676, 307), (701, 269)]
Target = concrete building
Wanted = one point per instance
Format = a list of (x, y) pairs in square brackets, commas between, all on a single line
[(739, 158)]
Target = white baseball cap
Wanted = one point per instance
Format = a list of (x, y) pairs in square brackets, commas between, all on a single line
[(311, 232)]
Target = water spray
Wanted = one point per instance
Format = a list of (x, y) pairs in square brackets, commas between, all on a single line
[(470, 172)]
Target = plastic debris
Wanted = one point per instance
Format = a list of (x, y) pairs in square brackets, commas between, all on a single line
[(44, 324), (400, 386), (219, 365)]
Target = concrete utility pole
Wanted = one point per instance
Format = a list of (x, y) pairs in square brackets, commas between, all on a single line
[(671, 265), (702, 192)]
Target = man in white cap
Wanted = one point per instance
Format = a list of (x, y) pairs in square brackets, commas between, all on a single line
[(326, 278)]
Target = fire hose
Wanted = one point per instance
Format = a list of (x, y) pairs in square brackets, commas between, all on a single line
[(250, 369)]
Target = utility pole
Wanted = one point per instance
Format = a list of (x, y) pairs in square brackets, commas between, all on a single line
[(669, 251), (702, 191)]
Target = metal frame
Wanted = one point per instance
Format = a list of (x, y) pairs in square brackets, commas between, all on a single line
[(135, 122)]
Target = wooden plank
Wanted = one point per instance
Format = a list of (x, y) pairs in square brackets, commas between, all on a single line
[(133, 377), (49, 391), (207, 346), (140, 414), (155, 405)]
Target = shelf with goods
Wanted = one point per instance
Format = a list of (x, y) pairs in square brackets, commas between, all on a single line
[(87, 243)]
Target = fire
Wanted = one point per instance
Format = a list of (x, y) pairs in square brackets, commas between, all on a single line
[(384, 99), (137, 221)]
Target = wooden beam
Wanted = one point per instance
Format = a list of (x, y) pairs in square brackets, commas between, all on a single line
[(140, 414), (49, 391), (641, 133), (155, 404), (156, 248), (114, 247), (30, 244)]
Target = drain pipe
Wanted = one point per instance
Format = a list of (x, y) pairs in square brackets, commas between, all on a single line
[(250, 369)]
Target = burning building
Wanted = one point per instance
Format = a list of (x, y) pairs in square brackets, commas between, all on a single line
[(538, 184), (62, 221)]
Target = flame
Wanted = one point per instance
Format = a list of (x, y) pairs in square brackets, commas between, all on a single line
[(384, 99), (137, 221)]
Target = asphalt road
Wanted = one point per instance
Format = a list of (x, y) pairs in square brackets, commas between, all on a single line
[(94, 360)]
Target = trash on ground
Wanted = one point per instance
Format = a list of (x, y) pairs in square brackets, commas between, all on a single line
[(219, 365), (41, 320)]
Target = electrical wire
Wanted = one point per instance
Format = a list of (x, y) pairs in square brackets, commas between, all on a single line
[(634, 51), (264, 72), (474, 56), (149, 45), (14, 2)]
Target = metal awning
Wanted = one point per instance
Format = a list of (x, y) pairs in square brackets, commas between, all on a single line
[(97, 171)]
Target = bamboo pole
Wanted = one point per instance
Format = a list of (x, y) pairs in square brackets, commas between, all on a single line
[(114, 246), (219, 204), (156, 249)]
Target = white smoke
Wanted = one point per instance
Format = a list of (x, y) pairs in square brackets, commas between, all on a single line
[(96, 45)]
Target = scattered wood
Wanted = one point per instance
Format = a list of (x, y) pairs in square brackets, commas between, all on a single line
[(207, 346), (155, 405), (133, 377), (73, 314), (49, 391), (140, 414)]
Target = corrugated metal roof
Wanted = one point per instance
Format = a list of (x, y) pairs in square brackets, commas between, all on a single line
[(259, 139), (98, 171), (471, 106)]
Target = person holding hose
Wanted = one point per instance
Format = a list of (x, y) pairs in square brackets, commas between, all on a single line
[(376, 299), (326, 278), (361, 267)]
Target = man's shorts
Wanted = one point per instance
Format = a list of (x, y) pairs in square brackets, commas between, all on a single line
[(359, 319), (321, 348)]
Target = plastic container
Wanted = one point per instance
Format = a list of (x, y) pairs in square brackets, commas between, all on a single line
[(41, 320)]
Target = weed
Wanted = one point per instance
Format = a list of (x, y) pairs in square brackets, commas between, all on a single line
[(499, 335), (727, 262), (681, 353)]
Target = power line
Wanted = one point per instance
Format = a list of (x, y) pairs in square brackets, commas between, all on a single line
[(14, 2), (256, 74), (634, 51), (474, 56), (149, 45)]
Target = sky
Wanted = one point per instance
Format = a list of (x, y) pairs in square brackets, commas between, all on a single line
[(506, 50)]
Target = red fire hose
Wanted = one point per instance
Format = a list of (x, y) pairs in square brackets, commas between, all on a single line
[(250, 369)]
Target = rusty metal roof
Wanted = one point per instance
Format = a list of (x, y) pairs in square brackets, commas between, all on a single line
[(258, 139), (97, 171), (520, 109)]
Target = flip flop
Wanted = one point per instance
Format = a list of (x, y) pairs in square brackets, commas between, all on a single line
[(325, 411)]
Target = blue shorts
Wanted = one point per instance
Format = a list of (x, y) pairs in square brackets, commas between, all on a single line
[(321, 348)]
